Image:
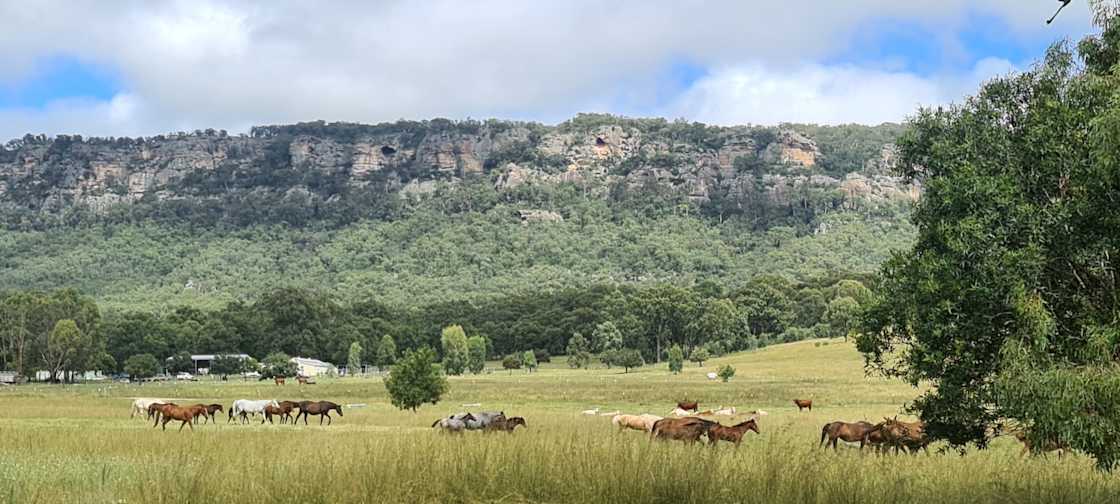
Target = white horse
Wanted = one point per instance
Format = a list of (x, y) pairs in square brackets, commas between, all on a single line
[(725, 411), (590, 412), (245, 407), (454, 425), (140, 405), (680, 412)]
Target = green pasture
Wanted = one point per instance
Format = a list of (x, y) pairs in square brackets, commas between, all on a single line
[(78, 444)]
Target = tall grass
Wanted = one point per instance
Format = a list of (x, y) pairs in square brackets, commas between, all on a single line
[(76, 444)]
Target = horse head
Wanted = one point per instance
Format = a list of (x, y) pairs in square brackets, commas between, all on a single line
[(338, 407)]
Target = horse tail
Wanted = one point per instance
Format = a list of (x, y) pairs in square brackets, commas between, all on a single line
[(436, 422), (824, 433)]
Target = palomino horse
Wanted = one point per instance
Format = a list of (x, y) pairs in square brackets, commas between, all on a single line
[(850, 432), (185, 414), (322, 408), (687, 429), (733, 434), (453, 425), (642, 423), (803, 404), (140, 405)]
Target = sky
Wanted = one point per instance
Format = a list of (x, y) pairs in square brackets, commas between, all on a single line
[(123, 68)]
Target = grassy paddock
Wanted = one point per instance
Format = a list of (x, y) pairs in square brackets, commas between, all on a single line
[(77, 444)]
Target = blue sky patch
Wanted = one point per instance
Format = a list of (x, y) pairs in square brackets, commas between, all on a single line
[(57, 78)]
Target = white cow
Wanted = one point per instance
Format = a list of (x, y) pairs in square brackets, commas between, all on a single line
[(140, 405)]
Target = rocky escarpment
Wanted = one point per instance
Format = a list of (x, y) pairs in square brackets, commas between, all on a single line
[(321, 161)]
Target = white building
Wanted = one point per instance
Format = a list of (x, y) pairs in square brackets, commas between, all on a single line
[(313, 367), (202, 361)]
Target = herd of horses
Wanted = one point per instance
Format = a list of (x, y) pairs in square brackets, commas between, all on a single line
[(164, 411), (486, 421)]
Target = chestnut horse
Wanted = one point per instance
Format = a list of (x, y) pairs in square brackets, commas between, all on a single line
[(322, 408), (803, 404), (733, 434), (279, 380), (909, 435), (687, 429), (185, 414), (154, 409), (689, 405), (850, 432), (283, 409)]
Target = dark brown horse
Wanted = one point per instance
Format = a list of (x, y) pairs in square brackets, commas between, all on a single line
[(689, 405), (185, 414), (803, 404), (733, 434), (687, 429), (505, 424), (322, 408), (211, 411), (875, 438), (850, 432)]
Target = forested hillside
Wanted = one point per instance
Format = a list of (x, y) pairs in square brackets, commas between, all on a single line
[(493, 225)]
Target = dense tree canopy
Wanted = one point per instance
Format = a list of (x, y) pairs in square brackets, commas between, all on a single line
[(1009, 303)]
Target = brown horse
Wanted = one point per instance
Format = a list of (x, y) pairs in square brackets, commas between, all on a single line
[(909, 435), (689, 405), (850, 432), (803, 404), (279, 380), (505, 424), (733, 434), (185, 414), (322, 408), (302, 380), (154, 408), (1049, 446), (875, 438), (211, 410), (687, 429)]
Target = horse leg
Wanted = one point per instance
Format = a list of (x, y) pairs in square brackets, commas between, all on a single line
[(321, 419), (328, 415)]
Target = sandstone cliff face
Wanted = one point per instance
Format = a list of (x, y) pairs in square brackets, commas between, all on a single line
[(52, 173)]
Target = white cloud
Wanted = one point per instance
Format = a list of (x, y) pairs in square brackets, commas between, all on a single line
[(813, 93), (199, 64)]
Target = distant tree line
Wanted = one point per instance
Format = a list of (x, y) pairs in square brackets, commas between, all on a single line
[(609, 325)]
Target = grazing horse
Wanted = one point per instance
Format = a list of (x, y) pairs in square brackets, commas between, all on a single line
[(453, 425), (642, 423), (850, 432), (803, 404), (688, 405), (245, 407), (322, 408), (141, 404), (506, 424), (279, 380), (733, 434), (687, 429), (185, 414)]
